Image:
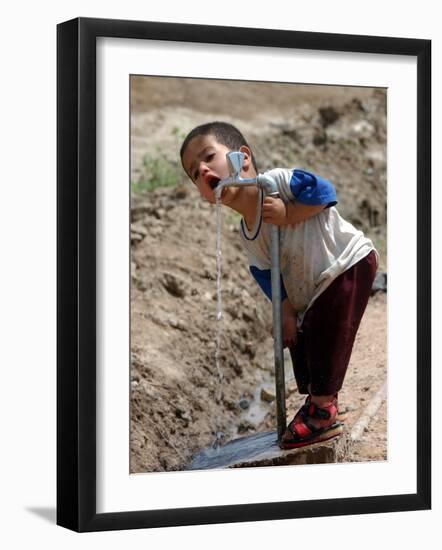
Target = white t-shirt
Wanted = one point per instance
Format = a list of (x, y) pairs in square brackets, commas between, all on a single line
[(313, 252)]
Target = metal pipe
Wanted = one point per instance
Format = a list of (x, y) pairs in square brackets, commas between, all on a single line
[(268, 184), (277, 332)]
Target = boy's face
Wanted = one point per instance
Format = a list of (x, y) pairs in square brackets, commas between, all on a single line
[(204, 161)]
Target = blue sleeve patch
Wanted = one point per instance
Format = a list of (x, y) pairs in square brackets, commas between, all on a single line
[(264, 278), (312, 190)]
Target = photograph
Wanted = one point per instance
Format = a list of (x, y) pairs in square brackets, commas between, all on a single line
[(205, 391), (249, 253)]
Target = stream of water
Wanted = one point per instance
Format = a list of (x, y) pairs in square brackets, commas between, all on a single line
[(219, 317), (257, 410)]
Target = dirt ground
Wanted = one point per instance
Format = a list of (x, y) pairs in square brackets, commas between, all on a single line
[(177, 404)]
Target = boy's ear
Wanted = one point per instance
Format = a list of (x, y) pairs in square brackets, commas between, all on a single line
[(247, 157)]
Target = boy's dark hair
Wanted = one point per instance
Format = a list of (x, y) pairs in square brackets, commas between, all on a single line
[(224, 133)]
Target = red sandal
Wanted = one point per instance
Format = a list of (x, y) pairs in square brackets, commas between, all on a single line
[(301, 431), (342, 411)]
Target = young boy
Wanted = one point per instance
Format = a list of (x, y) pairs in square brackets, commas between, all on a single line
[(327, 269)]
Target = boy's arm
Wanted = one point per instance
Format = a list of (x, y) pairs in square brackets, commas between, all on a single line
[(289, 322), (305, 195), (277, 212)]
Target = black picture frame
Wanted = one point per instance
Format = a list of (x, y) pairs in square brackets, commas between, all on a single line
[(77, 287)]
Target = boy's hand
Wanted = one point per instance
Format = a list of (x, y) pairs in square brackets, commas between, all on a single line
[(274, 211), (289, 324)]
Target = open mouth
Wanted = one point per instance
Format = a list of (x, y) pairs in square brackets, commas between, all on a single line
[(213, 182)]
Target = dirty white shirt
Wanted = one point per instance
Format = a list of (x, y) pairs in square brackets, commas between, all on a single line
[(313, 252)]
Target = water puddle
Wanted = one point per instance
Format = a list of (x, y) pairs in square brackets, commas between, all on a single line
[(256, 409), (236, 451)]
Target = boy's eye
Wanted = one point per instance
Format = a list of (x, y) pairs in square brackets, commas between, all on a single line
[(207, 158)]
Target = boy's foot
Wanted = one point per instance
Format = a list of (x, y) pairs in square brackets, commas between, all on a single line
[(312, 424), (342, 411)]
